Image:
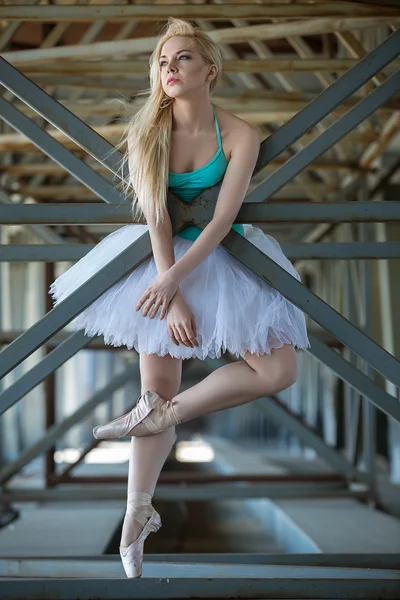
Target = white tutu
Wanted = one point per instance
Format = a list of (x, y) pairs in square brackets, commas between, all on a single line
[(233, 308)]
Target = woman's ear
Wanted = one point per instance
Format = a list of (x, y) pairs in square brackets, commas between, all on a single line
[(213, 72)]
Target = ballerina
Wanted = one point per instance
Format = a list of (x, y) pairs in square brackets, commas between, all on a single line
[(208, 302)]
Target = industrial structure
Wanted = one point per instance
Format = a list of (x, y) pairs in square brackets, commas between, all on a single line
[(310, 479)]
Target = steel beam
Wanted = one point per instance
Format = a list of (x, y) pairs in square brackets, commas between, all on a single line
[(52, 361), (201, 209), (333, 134), (63, 119), (390, 372), (328, 100), (355, 378), (277, 410), (61, 155), (342, 251), (170, 581), (261, 265), (69, 308), (59, 429), (209, 492), (57, 564), (311, 115)]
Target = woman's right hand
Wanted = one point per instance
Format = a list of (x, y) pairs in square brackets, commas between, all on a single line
[(181, 323)]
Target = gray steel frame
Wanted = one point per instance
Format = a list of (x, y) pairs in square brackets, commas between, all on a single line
[(201, 211), (198, 213), (342, 251), (218, 581)]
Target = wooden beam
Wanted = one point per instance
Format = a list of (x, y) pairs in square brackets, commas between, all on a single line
[(141, 67), (156, 12), (229, 35)]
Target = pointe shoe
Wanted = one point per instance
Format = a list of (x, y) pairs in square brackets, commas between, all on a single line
[(132, 555), (137, 422)]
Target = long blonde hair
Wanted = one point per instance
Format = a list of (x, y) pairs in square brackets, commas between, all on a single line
[(147, 136)]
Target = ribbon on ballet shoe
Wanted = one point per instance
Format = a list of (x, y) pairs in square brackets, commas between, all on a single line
[(138, 421), (121, 426), (163, 415)]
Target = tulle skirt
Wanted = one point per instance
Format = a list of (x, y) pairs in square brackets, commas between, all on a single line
[(234, 309)]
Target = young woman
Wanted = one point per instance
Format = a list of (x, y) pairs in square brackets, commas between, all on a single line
[(208, 301)]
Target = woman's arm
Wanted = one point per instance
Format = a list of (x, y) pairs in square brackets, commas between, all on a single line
[(160, 236), (162, 245), (231, 195)]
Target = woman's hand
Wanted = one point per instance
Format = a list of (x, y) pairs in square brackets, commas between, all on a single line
[(181, 323), (159, 293)]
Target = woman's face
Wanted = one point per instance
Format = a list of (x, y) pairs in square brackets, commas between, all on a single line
[(182, 69)]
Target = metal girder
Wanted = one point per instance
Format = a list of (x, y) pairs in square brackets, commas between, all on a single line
[(297, 163), (188, 493), (63, 119), (57, 564), (166, 580), (59, 429), (355, 378), (291, 131), (238, 246), (329, 99), (277, 410), (61, 155), (52, 361), (200, 210), (342, 251), (234, 244), (69, 308)]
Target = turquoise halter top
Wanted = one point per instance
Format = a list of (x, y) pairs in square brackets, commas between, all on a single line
[(189, 185)]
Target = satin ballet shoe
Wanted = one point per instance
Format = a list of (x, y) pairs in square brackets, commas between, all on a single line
[(137, 421), (144, 513)]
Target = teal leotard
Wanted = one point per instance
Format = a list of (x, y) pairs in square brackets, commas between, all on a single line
[(189, 185)]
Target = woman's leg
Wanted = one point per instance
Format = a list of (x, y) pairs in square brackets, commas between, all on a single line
[(238, 383), (161, 374)]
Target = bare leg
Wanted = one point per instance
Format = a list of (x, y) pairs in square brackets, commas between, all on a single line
[(238, 383), (161, 374)]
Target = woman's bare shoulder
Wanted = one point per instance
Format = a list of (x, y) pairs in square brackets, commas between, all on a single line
[(233, 128)]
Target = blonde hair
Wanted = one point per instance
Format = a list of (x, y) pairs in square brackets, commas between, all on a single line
[(147, 135)]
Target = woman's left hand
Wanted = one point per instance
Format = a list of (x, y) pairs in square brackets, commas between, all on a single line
[(159, 293)]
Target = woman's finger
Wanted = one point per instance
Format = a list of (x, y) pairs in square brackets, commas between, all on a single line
[(184, 338), (155, 308), (148, 306), (142, 300), (172, 335), (190, 336), (164, 310)]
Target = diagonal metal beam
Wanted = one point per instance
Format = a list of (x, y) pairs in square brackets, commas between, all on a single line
[(239, 247), (341, 127), (291, 131), (277, 410), (328, 100), (61, 155), (355, 378), (244, 244), (65, 311), (52, 361), (315, 307), (59, 429), (59, 116)]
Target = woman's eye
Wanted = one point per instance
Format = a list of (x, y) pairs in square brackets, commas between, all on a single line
[(182, 56)]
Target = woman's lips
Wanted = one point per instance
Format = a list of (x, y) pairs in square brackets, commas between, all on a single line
[(171, 81)]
